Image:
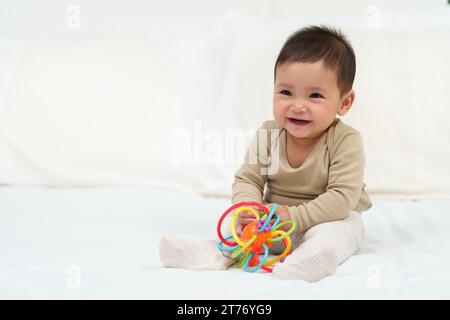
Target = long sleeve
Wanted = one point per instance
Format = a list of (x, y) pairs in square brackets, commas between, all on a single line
[(249, 179), (345, 182)]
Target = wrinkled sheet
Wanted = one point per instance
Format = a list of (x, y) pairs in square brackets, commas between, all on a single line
[(92, 243)]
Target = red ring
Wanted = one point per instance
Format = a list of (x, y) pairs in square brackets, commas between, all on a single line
[(267, 269)]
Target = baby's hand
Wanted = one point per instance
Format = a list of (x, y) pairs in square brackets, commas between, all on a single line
[(244, 218), (283, 212)]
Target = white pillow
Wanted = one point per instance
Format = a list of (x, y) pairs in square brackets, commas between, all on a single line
[(153, 108), (94, 109), (401, 98)]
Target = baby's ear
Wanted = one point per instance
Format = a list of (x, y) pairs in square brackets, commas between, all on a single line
[(346, 102)]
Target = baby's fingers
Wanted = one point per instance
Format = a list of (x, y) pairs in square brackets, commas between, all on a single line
[(246, 214), (246, 220)]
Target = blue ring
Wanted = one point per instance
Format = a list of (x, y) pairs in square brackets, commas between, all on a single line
[(272, 211), (277, 221), (221, 248), (264, 258)]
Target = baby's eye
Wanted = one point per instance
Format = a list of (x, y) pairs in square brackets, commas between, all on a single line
[(285, 91), (316, 95)]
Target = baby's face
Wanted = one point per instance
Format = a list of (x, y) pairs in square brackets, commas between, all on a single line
[(309, 92)]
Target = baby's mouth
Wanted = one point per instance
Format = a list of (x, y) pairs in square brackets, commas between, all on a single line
[(299, 122)]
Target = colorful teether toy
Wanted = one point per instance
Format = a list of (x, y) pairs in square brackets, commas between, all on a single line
[(256, 238)]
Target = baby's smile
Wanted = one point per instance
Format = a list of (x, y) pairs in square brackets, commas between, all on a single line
[(299, 122)]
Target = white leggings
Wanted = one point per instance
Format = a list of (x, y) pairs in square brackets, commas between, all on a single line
[(322, 248), (346, 234)]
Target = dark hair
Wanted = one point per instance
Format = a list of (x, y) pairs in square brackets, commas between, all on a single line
[(315, 43)]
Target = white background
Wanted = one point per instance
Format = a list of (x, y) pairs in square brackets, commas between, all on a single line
[(93, 92)]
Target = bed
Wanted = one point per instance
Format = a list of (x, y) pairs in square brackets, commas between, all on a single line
[(95, 243), (85, 118)]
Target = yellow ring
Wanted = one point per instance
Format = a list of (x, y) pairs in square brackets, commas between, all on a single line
[(284, 253), (233, 219)]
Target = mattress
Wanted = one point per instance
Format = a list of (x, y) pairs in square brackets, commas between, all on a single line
[(102, 243)]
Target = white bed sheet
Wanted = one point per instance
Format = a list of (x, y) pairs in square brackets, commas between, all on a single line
[(97, 243)]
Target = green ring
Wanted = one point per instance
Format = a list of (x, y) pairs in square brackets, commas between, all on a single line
[(241, 262), (238, 251), (289, 232)]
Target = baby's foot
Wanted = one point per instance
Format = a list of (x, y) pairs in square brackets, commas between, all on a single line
[(312, 261), (192, 254)]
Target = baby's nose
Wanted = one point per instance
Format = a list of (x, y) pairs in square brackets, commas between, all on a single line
[(299, 107)]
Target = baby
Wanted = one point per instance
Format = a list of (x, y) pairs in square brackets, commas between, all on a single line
[(306, 160)]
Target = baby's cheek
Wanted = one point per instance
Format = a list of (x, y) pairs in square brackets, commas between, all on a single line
[(278, 115)]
